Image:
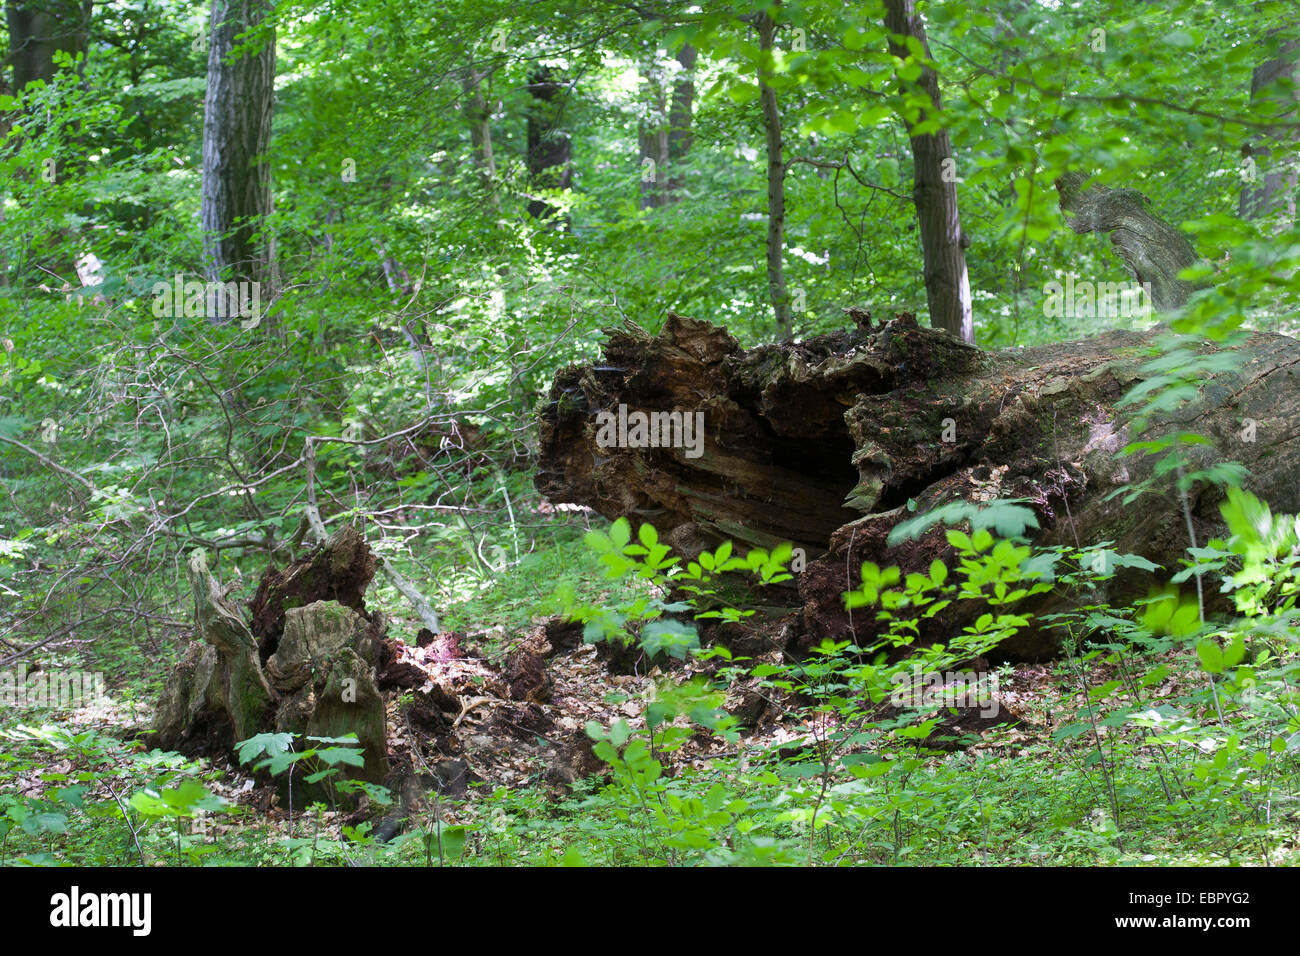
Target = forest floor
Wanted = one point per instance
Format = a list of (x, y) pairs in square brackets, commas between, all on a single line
[(494, 774), (1043, 783)]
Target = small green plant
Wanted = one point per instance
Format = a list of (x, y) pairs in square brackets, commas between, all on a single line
[(177, 805), (644, 618), (323, 761), (853, 739)]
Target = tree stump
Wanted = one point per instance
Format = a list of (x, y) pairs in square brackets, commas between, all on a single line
[(314, 674)]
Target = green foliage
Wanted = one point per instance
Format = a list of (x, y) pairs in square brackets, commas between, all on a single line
[(322, 763), (1167, 732), (650, 561)]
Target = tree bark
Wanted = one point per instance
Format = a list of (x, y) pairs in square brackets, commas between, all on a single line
[(947, 283), (1153, 250), (38, 29), (652, 140), (680, 116), (550, 152), (306, 664), (1273, 191), (665, 136), (236, 196), (479, 117), (776, 286), (823, 443)]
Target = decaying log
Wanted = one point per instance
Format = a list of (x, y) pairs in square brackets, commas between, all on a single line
[(324, 671), (217, 694), (315, 662), (823, 443), (340, 571)]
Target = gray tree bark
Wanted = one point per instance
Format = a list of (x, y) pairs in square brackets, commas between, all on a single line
[(480, 129), (665, 137), (652, 140), (38, 29), (680, 114), (1153, 250), (777, 289), (1276, 163), (947, 283), (236, 195)]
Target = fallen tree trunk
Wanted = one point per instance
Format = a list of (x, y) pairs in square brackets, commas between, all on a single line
[(823, 444)]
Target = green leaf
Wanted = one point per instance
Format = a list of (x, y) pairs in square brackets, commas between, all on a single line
[(271, 744), (1211, 656), (960, 540), (453, 841), (333, 756)]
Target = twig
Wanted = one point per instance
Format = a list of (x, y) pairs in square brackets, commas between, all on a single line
[(50, 463), (126, 817), (408, 590)]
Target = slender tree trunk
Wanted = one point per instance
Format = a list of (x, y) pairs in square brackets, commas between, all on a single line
[(947, 284), (480, 130), (236, 195), (780, 295), (1272, 188), (395, 274), (680, 112), (665, 138), (550, 152), (38, 29), (652, 140)]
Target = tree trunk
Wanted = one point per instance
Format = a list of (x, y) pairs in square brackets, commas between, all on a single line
[(664, 137), (1274, 153), (38, 29), (652, 140), (549, 150), (236, 194), (1153, 250), (947, 284), (823, 444), (777, 290), (480, 130), (680, 115)]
